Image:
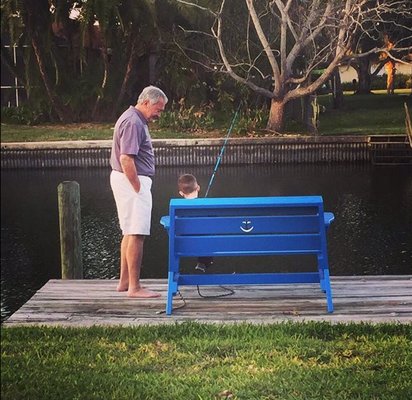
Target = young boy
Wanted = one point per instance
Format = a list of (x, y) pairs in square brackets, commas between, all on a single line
[(189, 189)]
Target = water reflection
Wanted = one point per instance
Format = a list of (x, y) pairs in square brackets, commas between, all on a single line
[(371, 234)]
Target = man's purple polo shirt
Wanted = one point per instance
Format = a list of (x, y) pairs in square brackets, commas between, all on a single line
[(131, 136)]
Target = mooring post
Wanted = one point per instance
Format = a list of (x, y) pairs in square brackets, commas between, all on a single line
[(70, 225)]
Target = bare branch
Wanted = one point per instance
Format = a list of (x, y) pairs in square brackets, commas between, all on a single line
[(266, 47), (288, 39), (307, 36), (201, 33), (377, 50), (228, 66), (189, 3)]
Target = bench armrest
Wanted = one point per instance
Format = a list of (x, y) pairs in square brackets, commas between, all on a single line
[(165, 222), (328, 217)]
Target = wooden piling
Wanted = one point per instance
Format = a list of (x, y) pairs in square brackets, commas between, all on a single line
[(70, 226)]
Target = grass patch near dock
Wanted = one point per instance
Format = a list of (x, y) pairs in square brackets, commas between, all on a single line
[(205, 361)]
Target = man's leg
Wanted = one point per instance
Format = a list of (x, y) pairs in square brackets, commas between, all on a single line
[(134, 256), (123, 285)]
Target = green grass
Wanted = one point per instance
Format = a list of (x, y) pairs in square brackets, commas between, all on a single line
[(51, 132), (195, 361), (367, 115), (57, 132), (364, 115)]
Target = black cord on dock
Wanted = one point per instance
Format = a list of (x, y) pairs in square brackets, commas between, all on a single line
[(174, 308), (229, 292)]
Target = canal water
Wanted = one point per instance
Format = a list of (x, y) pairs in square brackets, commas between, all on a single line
[(371, 234)]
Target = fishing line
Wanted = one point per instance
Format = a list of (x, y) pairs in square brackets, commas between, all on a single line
[(229, 292), (219, 158)]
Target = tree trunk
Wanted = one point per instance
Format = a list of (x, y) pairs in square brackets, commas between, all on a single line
[(61, 111), (95, 113), (36, 17), (276, 114), (130, 70), (364, 76), (153, 57), (337, 92)]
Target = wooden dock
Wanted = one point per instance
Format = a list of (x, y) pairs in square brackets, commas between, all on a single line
[(83, 303)]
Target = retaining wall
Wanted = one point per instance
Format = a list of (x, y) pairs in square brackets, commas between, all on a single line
[(179, 152)]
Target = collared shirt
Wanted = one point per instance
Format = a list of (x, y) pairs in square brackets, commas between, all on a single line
[(131, 136)]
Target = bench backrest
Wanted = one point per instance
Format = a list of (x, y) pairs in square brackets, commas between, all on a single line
[(247, 226)]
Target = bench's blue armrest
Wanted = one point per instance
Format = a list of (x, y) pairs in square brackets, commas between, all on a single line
[(165, 221), (328, 217)]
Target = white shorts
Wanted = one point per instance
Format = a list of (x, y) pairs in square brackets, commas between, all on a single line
[(133, 209)]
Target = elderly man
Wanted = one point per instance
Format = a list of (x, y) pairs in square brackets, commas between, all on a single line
[(133, 166)]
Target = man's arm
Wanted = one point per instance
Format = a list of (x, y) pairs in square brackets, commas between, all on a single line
[(129, 169)]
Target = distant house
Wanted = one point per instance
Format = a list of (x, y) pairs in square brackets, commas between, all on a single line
[(348, 73)]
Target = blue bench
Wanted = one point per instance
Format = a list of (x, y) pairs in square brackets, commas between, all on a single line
[(247, 226)]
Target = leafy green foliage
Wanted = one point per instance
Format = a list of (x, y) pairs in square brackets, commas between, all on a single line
[(252, 120), (201, 361), (365, 115), (183, 118), (21, 115)]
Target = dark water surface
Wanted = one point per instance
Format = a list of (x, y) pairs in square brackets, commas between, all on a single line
[(371, 234)]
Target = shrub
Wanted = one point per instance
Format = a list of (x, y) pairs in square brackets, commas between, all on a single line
[(182, 118), (251, 120), (22, 115)]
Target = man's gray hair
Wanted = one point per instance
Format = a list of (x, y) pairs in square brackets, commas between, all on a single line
[(153, 94)]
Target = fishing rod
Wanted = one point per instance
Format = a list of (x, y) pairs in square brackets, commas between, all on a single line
[(219, 159), (229, 291)]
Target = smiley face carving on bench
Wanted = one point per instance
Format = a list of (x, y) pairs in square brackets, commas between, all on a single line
[(246, 226)]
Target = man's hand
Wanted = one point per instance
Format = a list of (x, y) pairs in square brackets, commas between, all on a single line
[(129, 169)]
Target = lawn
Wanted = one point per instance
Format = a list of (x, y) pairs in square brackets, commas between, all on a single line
[(361, 115), (368, 115), (204, 361)]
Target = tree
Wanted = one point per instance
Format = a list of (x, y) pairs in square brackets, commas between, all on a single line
[(45, 32), (86, 53), (29, 16), (391, 32), (140, 32), (277, 44)]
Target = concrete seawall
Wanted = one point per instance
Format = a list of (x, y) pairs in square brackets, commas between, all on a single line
[(177, 152)]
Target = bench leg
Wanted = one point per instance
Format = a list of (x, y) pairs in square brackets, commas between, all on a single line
[(321, 270), (171, 289), (325, 281), (328, 290), (172, 282)]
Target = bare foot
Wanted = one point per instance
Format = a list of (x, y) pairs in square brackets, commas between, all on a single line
[(142, 293), (122, 287)]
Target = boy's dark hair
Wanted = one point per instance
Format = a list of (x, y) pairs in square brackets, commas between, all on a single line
[(187, 183)]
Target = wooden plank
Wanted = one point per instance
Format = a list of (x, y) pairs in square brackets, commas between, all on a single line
[(95, 302)]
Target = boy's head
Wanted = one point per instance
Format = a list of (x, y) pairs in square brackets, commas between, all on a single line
[(188, 186)]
